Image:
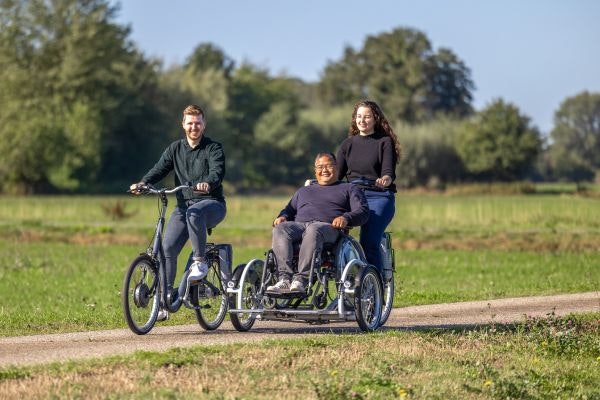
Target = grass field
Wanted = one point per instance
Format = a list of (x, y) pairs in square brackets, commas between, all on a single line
[(62, 261)]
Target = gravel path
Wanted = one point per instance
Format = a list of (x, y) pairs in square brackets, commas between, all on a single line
[(39, 349)]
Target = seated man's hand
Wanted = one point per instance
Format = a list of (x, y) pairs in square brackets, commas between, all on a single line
[(339, 222), (278, 220)]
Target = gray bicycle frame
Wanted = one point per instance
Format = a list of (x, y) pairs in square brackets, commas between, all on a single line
[(157, 253)]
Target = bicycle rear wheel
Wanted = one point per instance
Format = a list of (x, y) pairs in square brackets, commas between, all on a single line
[(368, 299), (140, 295), (210, 299)]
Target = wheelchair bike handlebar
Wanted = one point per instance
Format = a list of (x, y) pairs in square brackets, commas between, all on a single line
[(368, 184)]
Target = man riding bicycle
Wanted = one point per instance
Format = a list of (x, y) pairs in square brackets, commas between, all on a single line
[(201, 161), (314, 216)]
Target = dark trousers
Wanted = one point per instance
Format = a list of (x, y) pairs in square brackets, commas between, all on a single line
[(382, 206), (189, 223)]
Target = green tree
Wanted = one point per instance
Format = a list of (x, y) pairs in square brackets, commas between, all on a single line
[(70, 80), (499, 143), (429, 155), (400, 71), (450, 87), (575, 148)]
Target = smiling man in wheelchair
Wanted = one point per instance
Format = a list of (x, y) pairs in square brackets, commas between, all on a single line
[(314, 217)]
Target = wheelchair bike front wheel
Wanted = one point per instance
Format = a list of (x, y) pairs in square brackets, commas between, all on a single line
[(368, 299), (139, 296), (250, 288), (209, 299)]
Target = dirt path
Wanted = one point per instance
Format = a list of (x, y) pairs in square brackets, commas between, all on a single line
[(29, 350)]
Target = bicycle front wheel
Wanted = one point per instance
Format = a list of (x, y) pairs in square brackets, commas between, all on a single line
[(140, 295), (209, 299)]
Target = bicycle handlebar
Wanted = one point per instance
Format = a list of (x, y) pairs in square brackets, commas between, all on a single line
[(147, 188)]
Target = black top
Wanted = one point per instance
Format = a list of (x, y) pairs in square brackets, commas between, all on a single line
[(324, 203), (203, 163), (370, 157)]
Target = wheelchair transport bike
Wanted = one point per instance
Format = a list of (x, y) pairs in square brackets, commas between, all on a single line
[(343, 287), (145, 288)]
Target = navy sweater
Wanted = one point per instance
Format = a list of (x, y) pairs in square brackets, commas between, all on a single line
[(370, 157), (324, 203)]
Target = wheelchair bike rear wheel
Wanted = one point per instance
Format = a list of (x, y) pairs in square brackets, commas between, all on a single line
[(209, 299), (250, 288), (368, 299), (388, 301), (139, 296)]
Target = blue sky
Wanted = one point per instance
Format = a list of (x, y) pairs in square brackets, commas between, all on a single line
[(532, 53)]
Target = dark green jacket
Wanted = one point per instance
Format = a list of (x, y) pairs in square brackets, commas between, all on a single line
[(204, 163)]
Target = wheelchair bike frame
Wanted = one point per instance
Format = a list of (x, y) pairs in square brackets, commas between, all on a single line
[(145, 288), (340, 268)]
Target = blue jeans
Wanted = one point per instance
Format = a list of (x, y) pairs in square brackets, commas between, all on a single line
[(191, 222), (382, 206)]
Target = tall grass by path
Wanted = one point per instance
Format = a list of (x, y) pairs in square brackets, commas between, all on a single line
[(413, 213), (496, 213)]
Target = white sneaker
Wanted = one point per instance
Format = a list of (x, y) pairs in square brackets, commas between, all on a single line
[(297, 286), (163, 315), (282, 286), (198, 271)]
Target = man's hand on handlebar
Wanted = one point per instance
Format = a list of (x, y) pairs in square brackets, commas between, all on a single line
[(339, 222), (136, 188), (202, 187)]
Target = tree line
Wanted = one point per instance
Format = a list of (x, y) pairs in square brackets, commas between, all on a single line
[(84, 110)]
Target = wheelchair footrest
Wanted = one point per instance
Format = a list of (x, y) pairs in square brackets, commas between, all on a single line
[(286, 295)]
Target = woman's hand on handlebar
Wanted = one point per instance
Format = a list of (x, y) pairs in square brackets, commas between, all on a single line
[(339, 222), (384, 181)]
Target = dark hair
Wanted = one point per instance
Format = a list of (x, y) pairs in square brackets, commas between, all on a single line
[(328, 154), (381, 124)]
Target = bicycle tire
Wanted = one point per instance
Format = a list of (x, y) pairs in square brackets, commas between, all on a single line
[(209, 299), (139, 296), (368, 299), (250, 287), (388, 301)]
